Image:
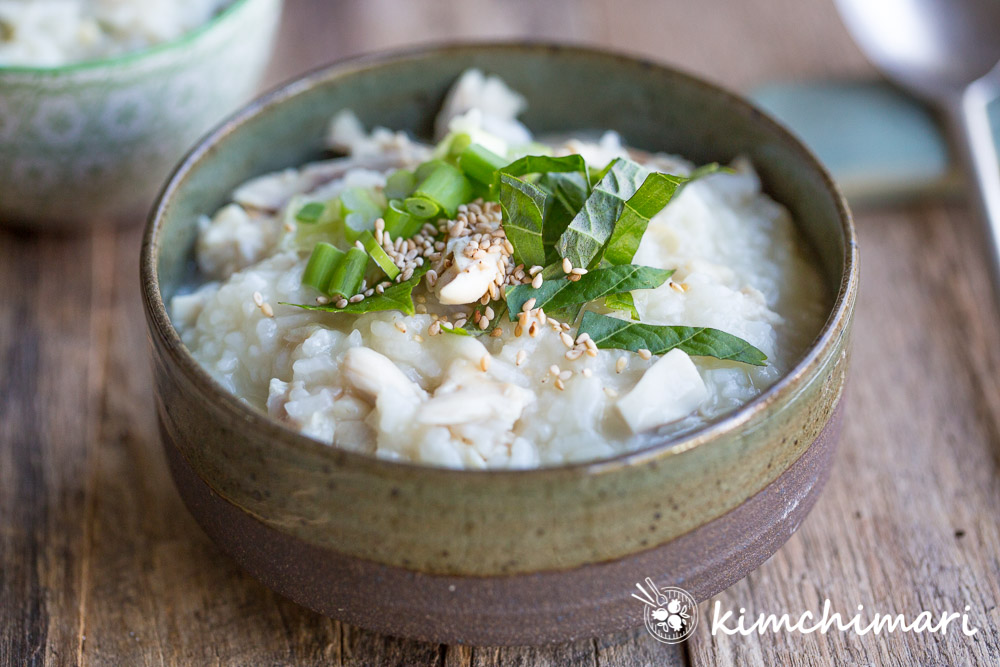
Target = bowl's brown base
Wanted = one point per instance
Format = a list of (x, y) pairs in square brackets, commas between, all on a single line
[(524, 609)]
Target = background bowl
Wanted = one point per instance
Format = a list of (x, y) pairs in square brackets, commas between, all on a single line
[(499, 557), (92, 142)]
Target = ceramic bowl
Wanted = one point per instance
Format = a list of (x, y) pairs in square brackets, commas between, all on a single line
[(91, 142), (499, 557)]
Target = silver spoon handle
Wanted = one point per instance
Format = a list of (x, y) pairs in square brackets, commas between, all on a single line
[(972, 121)]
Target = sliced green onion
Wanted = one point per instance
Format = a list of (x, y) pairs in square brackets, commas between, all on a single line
[(378, 255), (311, 212), (425, 168), (347, 277), (398, 222), (480, 164), (360, 210), (451, 146), (446, 187), (400, 184), (421, 207), (322, 262)]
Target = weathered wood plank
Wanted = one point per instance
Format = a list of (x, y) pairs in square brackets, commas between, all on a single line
[(57, 290)]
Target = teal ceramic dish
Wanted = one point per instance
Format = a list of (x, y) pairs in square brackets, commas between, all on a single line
[(91, 142), (500, 557)]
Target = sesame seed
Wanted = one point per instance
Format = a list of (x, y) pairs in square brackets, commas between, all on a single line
[(483, 323), (559, 385), (496, 333), (565, 375), (434, 329), (520, 357), (322, 300), (586, 372), (489, 313), (540, 314), (422, 309), (573, 277), (267, 310), (591, 351), (379, 224), (611, 392), (445, 324), (379, 289), (566, 339), (579, 271), (357, 298), (400, 325), (535, 270), (421, 298), (533, 330), (484, 362), (359, 245), (518, 330), (537, 281), (459, 323), (574, 354), (567, 266), (621, 364), (528, 305), (582, 338), (564, 326), (418, 338), (554, 370), (341, 303), (645, 354), (258, 299)]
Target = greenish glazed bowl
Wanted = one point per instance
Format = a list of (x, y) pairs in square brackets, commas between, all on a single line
[(499, 557), (92, 142)]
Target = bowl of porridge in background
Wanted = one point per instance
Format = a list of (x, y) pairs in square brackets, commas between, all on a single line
[(99, 100)]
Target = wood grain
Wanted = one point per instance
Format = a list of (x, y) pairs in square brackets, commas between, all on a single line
[(100, 564)]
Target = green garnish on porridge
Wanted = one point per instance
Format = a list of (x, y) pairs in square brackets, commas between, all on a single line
[(494, 300)]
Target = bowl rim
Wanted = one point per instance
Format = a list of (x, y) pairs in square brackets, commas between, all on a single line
[(159, 321), (127, 58)]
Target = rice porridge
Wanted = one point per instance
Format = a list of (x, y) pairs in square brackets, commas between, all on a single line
[(493, 301), (50, 33)]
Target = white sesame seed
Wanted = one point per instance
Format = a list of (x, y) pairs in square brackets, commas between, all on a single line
[(566, 339), (535, 270), (484, 362), (379, 288), (574, 354), (357, 298), (459, 323), (267, 310), (359, 245), (567, 266), (434, 329), (520, 357), (422, 309), (582, 338), (645, 354), (540, 314), (483, 323), (489, 313), (537, 281), (621, 364), (591, 351), (554, 370), (528, 305), (611, 392), (418, 338), (565, 375), (258, 299), (586, 372), (322, 300), (341, 303), (579, 271), (559, 385), (400, 325), (518, 331), (533, 330), (573, 277), (564, 326), (496, 333), (379, 224)]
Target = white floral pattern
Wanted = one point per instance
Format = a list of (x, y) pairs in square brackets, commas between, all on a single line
[(93, 143)]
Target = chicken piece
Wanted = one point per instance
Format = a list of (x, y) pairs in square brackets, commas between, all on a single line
[(669, 390)]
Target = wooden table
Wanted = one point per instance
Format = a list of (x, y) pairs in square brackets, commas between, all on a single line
[(101, 564)]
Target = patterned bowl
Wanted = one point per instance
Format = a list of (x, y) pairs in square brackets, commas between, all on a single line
[(499, 557), (90, 143)]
